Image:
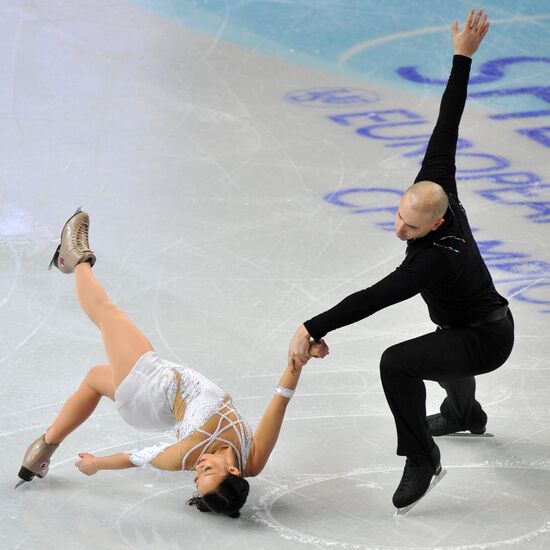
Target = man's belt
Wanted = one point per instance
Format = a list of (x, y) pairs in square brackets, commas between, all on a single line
[(492, 317)]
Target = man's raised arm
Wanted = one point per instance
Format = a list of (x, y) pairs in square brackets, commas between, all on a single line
[(439, 161)]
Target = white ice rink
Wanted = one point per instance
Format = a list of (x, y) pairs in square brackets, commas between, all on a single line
[(227, 208)]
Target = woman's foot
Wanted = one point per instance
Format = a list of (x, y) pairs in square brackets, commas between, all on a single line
[(36, 461), (74, 248)]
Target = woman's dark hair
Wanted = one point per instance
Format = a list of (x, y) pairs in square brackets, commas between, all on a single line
[(228, 499)]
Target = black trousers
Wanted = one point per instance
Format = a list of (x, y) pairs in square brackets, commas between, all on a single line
[(451, 357)]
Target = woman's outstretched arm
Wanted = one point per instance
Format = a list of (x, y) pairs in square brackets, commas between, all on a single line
[(167, 456), (90, 464), (268, 429)]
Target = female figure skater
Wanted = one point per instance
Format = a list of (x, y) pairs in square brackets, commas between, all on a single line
[(153, 394)]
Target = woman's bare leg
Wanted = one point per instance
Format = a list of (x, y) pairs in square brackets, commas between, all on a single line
[(97, 383), (124, 343)]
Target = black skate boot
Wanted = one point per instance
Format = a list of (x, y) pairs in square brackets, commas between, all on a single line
[(417, 481), (438, 425)]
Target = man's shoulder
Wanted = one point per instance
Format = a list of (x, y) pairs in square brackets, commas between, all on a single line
[(424, 250), (455, 206)]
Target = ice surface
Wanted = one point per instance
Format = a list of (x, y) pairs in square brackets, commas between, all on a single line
[(208, 182)]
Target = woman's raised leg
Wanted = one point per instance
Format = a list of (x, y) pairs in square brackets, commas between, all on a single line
[(124, 342), (97, 383)]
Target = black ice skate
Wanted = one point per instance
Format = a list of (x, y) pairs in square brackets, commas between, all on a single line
[(417, 480), (438, 426)]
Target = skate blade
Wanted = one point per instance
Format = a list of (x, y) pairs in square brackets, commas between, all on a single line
[(435, 480), (54, 258), (467, 434), (19, 483)]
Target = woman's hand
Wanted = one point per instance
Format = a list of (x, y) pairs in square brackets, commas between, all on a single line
[(298, 349), (87, 464), (318, 349), (469, 38)]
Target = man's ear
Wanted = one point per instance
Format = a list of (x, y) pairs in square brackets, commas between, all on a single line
[(437, 223), (235, 471)]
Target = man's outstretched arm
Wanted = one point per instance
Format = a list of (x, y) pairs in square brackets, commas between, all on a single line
[(404, 283), (439, 160)]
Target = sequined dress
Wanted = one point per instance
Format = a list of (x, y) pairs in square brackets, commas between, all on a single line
[(157, 395)]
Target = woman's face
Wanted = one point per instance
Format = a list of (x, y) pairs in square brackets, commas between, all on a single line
[(211, 470)]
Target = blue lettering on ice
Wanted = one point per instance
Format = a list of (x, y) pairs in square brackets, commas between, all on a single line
[(507, 186), (489, 167), (492, 71), (520, 265), (351, 199), (540, 92), (520, 294), (331, 96), (391, 118), (542, 135), (341, 198), (521, 114)]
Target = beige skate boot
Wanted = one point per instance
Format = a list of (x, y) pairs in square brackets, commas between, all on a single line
[(36, 461), (74, 248)]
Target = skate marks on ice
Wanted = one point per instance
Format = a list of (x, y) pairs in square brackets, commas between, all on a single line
[(359, 48), (358, 513)]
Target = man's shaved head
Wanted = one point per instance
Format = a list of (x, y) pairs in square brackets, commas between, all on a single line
[(421, 210), (427, 198)]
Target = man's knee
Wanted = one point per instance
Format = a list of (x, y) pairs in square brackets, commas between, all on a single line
[(391, 361)]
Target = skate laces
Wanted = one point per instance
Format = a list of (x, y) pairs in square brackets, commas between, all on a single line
[(80, 238)]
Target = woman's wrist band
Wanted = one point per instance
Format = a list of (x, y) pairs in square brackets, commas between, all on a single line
[(285, 392)]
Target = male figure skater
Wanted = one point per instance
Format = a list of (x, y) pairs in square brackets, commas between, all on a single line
[(475, 330)]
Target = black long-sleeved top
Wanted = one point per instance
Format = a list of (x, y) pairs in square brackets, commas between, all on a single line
[(445, 266)]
